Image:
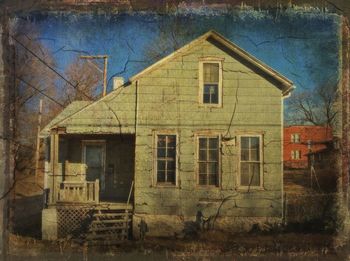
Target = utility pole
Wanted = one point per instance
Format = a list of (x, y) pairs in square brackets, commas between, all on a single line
[(37, 151), (105, 62)]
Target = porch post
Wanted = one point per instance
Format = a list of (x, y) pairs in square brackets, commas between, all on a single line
[(54, 163)]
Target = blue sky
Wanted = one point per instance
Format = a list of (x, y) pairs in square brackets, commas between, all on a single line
[(303, 46)]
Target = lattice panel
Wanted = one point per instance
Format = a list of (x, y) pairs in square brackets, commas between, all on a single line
[(72, 220)]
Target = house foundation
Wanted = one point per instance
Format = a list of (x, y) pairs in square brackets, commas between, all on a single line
[(49, 227), (178, 226)]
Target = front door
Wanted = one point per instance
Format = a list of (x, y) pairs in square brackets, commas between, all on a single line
[(94, 157)]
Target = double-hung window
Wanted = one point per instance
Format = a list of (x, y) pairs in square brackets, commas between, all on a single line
[(295, 138), (208, 160), (296, 154), (250, 161), (166, 159), (210, 82)]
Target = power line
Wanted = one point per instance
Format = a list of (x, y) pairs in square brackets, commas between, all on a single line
[(51, 68), (40, 91)]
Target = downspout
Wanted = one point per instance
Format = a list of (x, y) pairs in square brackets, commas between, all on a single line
[(136, 118), (284, 197)]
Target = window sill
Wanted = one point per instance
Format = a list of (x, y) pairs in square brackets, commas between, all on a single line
[(207, 187), (249, 189), (165, 186), (208, 105)]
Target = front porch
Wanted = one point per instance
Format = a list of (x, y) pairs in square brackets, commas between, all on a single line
[(90, 169), (89, 185)]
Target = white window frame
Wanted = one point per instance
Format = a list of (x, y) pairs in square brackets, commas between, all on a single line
[(201, 80), (207, 135), (155, 159), (261, 150)]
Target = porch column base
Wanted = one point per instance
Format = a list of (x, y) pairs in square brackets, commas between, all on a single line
[(49, 224)]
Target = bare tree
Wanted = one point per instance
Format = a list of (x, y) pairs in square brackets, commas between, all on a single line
[(316, 107), (173, 33), (86, 76), (32, 78)]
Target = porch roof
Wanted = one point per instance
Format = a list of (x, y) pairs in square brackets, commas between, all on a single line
[(111, 114), (65, 113)]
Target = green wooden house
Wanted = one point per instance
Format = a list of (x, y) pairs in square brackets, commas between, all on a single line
[(197, 136)]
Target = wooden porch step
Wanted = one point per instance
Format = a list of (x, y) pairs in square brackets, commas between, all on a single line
[(119, 235), (110, 215), (109, 221), (114, 206), (98, 229)]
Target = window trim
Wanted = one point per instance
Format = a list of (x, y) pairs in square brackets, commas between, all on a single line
[(155, 159), (261, 150), (201, 81), (207, 135)]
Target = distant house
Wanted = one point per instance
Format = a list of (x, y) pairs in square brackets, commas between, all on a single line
[(196, 135), (301, 140)]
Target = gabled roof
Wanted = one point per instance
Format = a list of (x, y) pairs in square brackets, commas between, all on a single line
[(65, 113), (283, 83)]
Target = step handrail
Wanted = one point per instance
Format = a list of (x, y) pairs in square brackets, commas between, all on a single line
[(132, 185)]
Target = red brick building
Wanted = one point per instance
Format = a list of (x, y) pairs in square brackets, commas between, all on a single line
[(299, 140)]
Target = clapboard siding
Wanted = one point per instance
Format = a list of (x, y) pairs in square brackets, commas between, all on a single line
[(168, 99)]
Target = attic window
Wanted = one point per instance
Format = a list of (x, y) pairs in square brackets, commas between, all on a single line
[(210, 82)]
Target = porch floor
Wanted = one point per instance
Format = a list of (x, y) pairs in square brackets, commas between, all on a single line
[(102, 205)]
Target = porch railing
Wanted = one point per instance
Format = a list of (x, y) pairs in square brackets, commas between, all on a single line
[(79, 192)]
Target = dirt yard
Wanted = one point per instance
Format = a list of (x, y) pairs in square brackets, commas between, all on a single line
[(209, 246), (292, 242)]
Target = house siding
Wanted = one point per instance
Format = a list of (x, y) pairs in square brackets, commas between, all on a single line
[(113, 114), (168, 100)]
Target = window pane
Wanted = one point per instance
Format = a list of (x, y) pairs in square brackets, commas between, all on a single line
[(250, 174), (210, 93), (206, 98), (211, 72), (161, 152), (213, 143), (171, 153), (244, 154), (254, 174), (94, 155), (255, 149), (202, 143), (244, 142), (171, 165), (160, 176), (202, 169), (202, 155), (161, 141), (171, 176), (212, 168), (213, 155), (171, 141), (161, 165), (212, 179), (202, 179), (244, 174)]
